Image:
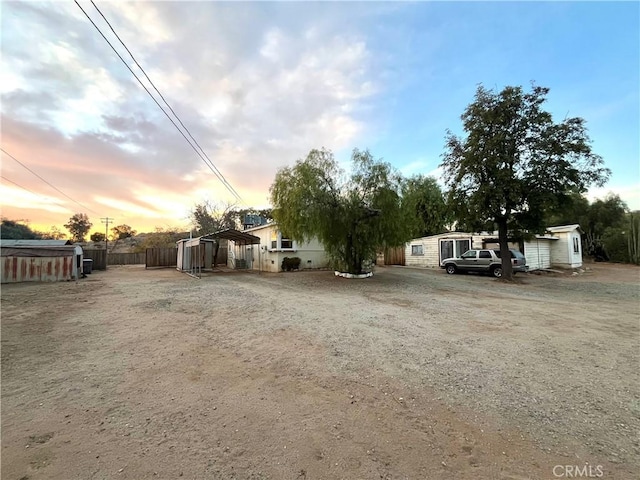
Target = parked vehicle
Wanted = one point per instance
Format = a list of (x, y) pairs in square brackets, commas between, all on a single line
[(485, 261)]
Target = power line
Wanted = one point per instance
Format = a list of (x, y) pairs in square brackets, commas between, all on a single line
[(24, 188), (45, 181), (211, 166), (221, 176)]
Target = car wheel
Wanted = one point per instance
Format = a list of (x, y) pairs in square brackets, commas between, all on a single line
[(496, 272), (451, 269)]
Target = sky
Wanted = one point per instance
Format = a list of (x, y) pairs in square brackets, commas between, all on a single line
[(259, 84)]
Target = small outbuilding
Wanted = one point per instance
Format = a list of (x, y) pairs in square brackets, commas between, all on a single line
[(538, 251), (39, 261), (196, 255), (567, 251)]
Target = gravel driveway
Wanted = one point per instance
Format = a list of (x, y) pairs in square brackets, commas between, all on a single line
[(136, 373)]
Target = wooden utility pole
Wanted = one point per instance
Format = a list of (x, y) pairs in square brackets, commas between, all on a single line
[(106, 221)]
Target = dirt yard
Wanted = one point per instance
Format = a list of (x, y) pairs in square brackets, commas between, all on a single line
[(135, 374)]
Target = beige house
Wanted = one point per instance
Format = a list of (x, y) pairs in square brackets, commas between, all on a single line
[(274, 247)]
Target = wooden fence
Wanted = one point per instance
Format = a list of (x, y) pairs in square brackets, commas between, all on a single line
[(99, 258), (126, 258), (394, 256), (161, 257)]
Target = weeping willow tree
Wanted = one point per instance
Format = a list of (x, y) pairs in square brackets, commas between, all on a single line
[(353, 214)]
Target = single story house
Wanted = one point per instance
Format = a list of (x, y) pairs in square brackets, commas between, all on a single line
[(39, 261), (560, 247), (274, 246)]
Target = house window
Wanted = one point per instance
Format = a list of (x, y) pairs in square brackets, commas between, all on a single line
[(576, 245), (281, 242), (416, 250)]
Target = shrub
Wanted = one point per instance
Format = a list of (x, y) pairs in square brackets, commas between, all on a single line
[(290, 263)]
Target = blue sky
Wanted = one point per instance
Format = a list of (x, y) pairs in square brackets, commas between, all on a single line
[(260, 84)]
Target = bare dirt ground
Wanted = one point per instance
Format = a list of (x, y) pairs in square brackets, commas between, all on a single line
[(134, 374)]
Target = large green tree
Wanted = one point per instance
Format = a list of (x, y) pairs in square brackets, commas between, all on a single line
[(425, 206), (352, 215), (78, 225), (515, 163)]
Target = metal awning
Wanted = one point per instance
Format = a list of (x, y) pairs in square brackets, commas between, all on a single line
[(236, 236)]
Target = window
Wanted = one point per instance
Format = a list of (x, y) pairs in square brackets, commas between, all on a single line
[(469, 254), (453, 248), (484, 254), (416, 250), (281, 242), (576, 245), (462, 246)]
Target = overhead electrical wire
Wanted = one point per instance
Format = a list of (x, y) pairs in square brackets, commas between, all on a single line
[(30, 191), (45, 181), (221, 176), (205, 158)]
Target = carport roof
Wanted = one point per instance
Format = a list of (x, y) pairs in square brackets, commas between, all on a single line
[(233, 235)]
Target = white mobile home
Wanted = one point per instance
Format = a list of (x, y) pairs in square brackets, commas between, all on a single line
[(274, 247), (430, 251), (560, 247)]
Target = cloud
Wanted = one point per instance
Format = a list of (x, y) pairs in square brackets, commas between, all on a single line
[(630, 194), (257, 88)]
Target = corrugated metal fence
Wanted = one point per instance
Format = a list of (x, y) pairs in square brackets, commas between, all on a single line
[(36, 269), (161, 257)]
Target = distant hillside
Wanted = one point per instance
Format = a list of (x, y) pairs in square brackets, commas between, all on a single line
[(140, 242)]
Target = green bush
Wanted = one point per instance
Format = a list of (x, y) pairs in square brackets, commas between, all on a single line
[(290, 263)]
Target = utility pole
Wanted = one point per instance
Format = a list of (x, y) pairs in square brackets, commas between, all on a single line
[(106, 221)]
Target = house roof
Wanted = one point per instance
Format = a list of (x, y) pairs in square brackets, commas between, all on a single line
[(565, 228), (266, 225), (34, 243), (38, 251), (452, 235)]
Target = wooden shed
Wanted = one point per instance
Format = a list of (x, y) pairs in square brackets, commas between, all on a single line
[(39, 261)]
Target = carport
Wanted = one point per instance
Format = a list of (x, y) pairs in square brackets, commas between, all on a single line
[(195, 255)]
